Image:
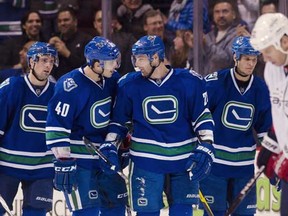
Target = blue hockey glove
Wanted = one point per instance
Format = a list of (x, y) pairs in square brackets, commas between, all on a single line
[(65, 174), (200, 161), (110, 163)]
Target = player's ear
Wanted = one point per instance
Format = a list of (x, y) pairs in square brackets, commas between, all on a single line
[(31, 62), (96, 66), (155, 56), (155, 59)]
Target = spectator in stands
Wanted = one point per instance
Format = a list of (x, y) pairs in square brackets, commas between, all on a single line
[(130, 15), (97, 23), (181, 17), (183, 44), (4, 74), (123, 40), (31, 24), (268, 6), (69, 42), (249, 11), (154, 25), (48, 10), (217, 43)]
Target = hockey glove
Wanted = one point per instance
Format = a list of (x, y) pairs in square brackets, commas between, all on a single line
[(281, 167), (268, 154), (123, 152), (268, 159), (110, 164), (200, 161), (65, 175)]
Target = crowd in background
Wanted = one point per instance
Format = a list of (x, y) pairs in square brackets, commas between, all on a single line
[(69, 25), (158, 35)]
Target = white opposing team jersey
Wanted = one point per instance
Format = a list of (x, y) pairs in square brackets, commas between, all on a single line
[(277, 82)]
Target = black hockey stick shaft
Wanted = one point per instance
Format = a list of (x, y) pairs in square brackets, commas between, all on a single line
[(243, 193), (90, 146)]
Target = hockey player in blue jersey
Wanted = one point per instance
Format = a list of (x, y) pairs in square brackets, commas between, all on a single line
[(171, 144), (239, 103), (80, 108), (23, 153)]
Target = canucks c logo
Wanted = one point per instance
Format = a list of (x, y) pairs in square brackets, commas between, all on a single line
[(33, 118), (237, 116), (160, 109), (100, 113)]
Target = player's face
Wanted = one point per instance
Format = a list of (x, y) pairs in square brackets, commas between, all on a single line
[(43, 67), (142, 63), (154, 26), (246, 64), (274, 56), (33, 25), (110, 67)]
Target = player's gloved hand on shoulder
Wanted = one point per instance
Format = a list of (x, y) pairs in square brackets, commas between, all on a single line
[(281, 167), (200, 161), (65, 174), (111, 166)]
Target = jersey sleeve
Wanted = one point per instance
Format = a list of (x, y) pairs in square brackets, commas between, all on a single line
[(264, 121), (62, 109), (122, 110), (5, 105), (202, 120)]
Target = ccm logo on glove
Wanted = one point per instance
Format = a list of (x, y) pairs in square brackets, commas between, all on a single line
[(66, 169)]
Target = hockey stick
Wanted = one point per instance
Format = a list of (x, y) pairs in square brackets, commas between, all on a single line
[(243, 193), (205, 204), (91, 148), (202, 198), (5, 206)]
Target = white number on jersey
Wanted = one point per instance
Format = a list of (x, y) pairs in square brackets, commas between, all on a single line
[(62, 109)]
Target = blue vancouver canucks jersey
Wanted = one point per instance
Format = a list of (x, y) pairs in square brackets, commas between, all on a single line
[(23, 151), (235, 115), (167, 118), (79, 108)]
